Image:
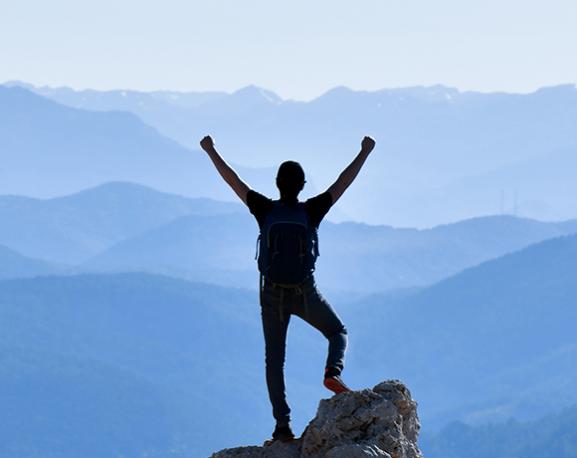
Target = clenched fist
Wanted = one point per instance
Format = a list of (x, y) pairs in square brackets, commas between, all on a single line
[(367, 144), (206, 143)]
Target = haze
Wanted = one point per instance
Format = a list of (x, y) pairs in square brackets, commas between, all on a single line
[(298, 49)]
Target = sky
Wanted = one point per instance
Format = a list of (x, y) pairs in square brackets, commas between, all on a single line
[(299, 49)]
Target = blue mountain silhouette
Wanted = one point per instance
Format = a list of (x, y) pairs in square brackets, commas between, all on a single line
[(486, 344)]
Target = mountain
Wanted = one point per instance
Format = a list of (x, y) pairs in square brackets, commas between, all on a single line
[(128, 364), (553, 436), (121, 100), (14, 265), (221, 249), (430, 142), (440, 110), (493, 342), (384, 258), (72, 228), (171, 112), (48, 149), (138, 363), (522, 189), (124, 226), (216, 249)]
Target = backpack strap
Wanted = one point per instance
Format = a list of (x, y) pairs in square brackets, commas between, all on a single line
[(256, 253)]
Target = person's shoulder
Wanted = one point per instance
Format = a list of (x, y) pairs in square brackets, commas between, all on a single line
[(257, 202), (253, 195), (322, 199), (318, 206)]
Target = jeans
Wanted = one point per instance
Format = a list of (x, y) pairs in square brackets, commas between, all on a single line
[(278, 303)]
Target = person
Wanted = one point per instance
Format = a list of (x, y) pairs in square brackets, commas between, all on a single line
[(286, 264)]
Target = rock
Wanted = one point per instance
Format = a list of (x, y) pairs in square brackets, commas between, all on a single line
[(275, 450), (378, 422)]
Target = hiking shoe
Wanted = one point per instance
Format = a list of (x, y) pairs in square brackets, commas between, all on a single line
[(334, 382), (283, 433)]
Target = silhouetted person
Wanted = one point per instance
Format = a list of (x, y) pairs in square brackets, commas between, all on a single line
[(288, 248)]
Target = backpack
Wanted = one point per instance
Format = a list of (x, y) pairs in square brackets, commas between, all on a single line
[(287, 244)]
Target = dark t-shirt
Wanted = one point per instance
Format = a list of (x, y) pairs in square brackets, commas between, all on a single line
[(316, 207)]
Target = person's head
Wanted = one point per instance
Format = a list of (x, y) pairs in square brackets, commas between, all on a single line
[(290, 180)]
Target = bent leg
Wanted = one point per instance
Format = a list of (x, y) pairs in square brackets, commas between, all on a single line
[(316, 311)]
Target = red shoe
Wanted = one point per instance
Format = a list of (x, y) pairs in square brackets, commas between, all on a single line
[(334, 382)]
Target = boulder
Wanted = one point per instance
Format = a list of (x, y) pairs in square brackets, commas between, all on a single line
[(377, 422)]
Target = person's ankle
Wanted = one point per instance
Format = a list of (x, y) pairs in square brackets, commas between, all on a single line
[(283, 423), (283, 432), (332, 372)]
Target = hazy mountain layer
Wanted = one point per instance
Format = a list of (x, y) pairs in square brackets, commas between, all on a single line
[(72, 228), (48, 149), (442, 155), (132, 363), (15, 265), (122, 226), (354, 257), (493, 342), (553, 436), (128, 364)]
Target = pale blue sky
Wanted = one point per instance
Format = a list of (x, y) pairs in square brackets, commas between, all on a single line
[(296, 48)]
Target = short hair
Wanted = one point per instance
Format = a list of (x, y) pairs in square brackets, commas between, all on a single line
[(290, 178)]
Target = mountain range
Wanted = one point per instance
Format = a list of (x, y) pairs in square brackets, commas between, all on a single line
[(48, 149), (118, 227), (221, 249), (139, 363), (493, 342), (15, 265), (442, 155), (552, 436), (125, 364), (127, 274), (72, 228)]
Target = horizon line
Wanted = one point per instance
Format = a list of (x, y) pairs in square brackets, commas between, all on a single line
[(26, 84)]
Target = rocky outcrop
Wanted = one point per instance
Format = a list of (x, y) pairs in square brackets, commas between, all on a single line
[(378, 422)]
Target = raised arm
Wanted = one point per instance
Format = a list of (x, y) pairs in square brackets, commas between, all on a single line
[(225, 170), (348, 175)]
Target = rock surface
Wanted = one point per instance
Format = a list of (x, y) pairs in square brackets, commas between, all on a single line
[(378, 422)]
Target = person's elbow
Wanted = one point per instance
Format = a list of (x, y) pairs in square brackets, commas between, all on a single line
[(336, 191), (241, 189)]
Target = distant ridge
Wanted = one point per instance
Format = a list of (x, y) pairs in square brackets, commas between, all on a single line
[(15, 265), (552, 434), (71, 228), (93, 366), (442, 154), (120, 226), (221, 248), (52, 149), (515, 314), (176, 97)]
